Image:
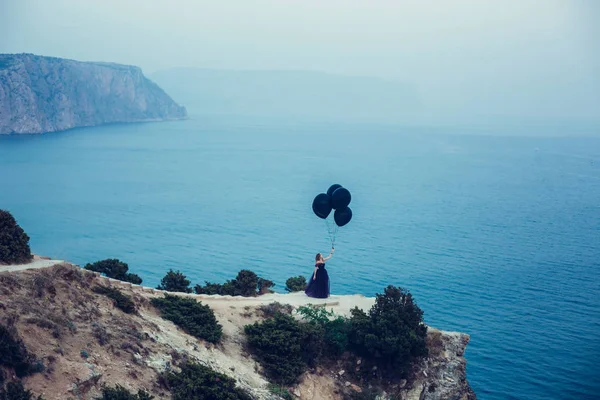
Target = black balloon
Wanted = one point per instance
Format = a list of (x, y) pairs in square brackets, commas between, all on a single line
[(332, 189), (322, 205), (340, 198), (342, 216)]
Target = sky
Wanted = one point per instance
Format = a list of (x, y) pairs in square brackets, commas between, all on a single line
[(535, 59)]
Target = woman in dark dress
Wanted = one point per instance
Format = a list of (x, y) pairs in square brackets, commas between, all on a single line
[(318, 285)]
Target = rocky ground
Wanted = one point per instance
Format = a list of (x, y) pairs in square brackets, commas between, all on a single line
[(85, 342)]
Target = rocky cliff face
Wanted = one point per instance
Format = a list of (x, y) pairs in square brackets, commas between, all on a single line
[(45, 94)]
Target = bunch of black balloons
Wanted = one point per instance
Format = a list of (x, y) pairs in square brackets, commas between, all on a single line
[(337, 198)]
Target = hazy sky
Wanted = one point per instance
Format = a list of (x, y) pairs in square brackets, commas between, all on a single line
[(534, 58)]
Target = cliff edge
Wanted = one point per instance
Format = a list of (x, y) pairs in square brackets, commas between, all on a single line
[(84, 342), (46, 94)]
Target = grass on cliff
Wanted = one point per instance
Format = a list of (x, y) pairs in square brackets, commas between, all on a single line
[(193, 317)]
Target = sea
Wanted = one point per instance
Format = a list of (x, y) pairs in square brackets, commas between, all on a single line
[(495, 234)]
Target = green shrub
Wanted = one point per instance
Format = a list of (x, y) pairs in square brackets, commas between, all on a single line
[(336, 329), (199, 382), (264, 286), (16, 391), (120, 300), (209, 288), (14, 242), (284, 346), (246, 284), (192, 316), (115, 269), (315, 314), (336, 336), (13, 354), (295, 284), (280, 391), (392, 335), (120, 393), (175, 281)]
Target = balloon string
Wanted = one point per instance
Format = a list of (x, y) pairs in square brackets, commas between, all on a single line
[(331, 234), (335, 230)]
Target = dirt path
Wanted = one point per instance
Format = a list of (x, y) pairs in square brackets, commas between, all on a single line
[(341, 304), (38, 262)]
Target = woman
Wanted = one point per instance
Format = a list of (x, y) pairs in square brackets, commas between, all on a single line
[(318, 286)]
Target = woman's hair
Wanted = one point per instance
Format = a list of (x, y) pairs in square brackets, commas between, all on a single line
[(318, 257)]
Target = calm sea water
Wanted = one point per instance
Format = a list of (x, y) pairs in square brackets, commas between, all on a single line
[(498, 237)]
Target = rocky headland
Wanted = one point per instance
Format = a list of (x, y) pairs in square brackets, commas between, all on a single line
[(83, 342), (46, 94)]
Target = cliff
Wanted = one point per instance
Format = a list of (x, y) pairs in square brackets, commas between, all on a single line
[(45, 94), (85, 342)]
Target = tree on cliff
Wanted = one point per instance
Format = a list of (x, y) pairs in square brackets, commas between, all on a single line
[(392, 335), (14, 242), (246, 284), (175, 281), (295, 284), (115, 269)]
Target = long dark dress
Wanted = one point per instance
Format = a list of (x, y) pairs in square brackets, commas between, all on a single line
[(319, 287)]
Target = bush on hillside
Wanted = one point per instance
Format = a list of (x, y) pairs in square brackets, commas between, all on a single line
[(192, 316), (120, 300), (120, 393), (392, 335), (264, 286), (284, 347), (16, 391), (196, 381), (335, 328), (295, 284), (175, 281), (114, 269), (280, 391), (13, 354), (225, 289), (14, 242), (246, 284)]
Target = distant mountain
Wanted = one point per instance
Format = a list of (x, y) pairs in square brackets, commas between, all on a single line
[(45, 94), (290, 94)]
